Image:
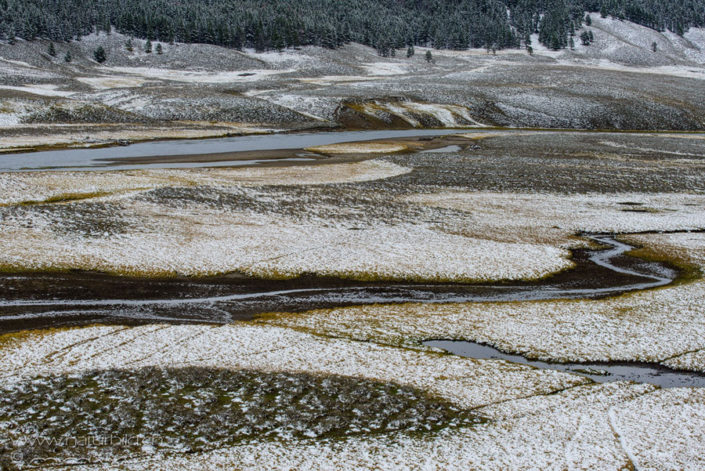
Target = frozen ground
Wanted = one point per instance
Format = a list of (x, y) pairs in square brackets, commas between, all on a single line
[(508, 205), (463, 216), (535, 418), (421, 215), (618, 82), (662, 326)]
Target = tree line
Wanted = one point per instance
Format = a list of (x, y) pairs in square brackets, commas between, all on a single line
[(386, 25)]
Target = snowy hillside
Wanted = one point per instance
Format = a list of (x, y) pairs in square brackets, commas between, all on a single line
[(616, 82)]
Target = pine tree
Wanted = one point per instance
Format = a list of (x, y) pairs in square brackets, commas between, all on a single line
[(129, 45), (67, 57), (160, 49), (654, 46), (584, 38), (395, 24), (52, 50), (410, 52), (429, 56), (11, 36), (99, 55), (148, 47)]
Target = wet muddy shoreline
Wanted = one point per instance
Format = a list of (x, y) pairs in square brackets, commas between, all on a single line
[(42, 300)]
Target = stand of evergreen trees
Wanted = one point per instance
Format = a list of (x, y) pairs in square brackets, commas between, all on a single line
[(383, 24)]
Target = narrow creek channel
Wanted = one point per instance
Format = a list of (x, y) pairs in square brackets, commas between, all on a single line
[(39, 300), (600, 372)]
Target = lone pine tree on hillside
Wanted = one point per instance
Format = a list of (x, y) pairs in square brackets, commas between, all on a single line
[(586, 38), (148, 47), (99, 55), (52, 50)]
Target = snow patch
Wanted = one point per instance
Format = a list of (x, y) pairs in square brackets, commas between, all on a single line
[(386, 68), (110, 82), (42, 90), (196, 76)]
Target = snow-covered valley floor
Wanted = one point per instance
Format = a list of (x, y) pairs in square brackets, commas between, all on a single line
[(354, 387)]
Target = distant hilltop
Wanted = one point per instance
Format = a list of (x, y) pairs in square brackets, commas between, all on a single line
[(386, 25)]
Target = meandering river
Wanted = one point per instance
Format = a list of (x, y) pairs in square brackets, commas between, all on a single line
[(125, 157)]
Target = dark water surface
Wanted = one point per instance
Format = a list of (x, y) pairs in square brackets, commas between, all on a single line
[(38, 300), (601, 372)]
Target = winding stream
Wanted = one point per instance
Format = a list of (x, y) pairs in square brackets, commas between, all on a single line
[(35, 300), (600, 372)]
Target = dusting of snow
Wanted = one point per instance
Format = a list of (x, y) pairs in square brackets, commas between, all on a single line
[(557, 217), (385, 68), (315, 107), (193, 240), (267, 348), (9, 119), (664, 325), (17, 188), (42, 90), (206, 242), (88, 135), (538, 418), (196, 76), (111, 82), (674, 417), (332, 79)]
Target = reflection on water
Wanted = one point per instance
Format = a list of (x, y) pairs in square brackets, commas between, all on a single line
[(105, 157)]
